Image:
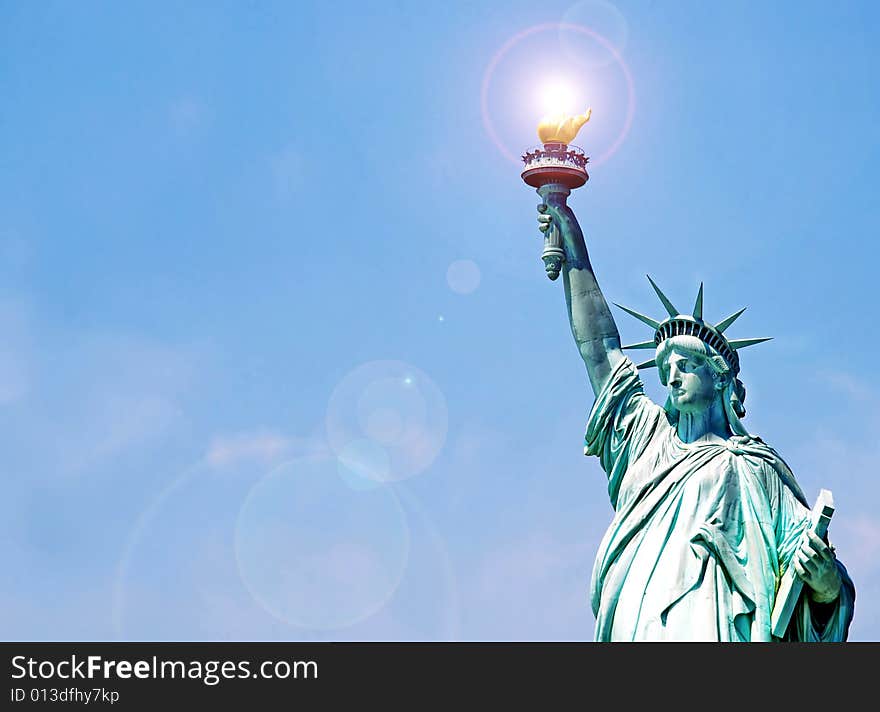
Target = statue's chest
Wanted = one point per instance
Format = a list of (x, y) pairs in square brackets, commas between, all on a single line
[(706, 476)]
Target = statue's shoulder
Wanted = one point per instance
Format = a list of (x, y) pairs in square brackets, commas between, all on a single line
[(748, 443), (764, 459), (754, 450)]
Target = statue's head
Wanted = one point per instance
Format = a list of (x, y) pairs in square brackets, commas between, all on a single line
[(698, 365), (695, 374), (697, 377)]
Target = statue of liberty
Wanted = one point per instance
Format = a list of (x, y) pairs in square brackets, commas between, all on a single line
[(707, 517)]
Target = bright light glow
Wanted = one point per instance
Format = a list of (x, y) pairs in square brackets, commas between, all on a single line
[(512, 67), (557, 97)]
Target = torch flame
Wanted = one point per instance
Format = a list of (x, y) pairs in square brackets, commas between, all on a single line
[(560, 128)]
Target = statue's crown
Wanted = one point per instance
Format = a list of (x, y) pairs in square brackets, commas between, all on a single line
[(679, 324)]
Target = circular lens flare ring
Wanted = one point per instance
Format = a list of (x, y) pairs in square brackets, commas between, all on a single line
[(315, 572), (559, 27), (395, 405)]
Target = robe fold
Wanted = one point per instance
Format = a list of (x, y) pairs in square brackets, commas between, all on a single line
[(702, 532)]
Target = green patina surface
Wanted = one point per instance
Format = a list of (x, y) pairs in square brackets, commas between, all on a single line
[(707, 516)]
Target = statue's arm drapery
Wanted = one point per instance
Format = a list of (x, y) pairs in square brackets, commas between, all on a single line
[(824, 622), (621, 423)]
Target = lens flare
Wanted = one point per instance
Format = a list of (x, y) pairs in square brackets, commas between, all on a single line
[(364, 464), (317, 553), (396, 406), (463, 276), (556, 97), (598, 97), (604, 18)]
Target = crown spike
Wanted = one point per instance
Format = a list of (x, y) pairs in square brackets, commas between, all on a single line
[(641, 317), (641, 345), (737, 344), (647, 364), (698, 306), (724, 323), (673, 312)]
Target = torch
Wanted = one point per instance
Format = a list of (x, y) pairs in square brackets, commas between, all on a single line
[(556, 167)]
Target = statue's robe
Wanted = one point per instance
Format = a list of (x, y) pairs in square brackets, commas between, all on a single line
[(701, 534)]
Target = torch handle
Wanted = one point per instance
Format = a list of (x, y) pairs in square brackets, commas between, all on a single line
[(553, 255)]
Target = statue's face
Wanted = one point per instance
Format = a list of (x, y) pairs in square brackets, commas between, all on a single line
[(691, 382)]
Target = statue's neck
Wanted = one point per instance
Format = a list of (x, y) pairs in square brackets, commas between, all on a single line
[(710, 424)]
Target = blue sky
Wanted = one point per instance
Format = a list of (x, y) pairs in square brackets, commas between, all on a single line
[(255, 255)]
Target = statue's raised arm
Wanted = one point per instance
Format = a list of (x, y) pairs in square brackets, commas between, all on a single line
[(592, 325)]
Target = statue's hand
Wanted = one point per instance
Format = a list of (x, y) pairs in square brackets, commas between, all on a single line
[(814, 564), (545, 220), (554, 211)]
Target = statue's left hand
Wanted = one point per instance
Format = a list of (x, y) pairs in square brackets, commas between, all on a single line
[(814, 564), (554, 211), (545, 221)]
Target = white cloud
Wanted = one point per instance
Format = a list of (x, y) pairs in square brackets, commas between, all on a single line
[(113, 393), (857, 388), (119, 421), (261, 446)]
